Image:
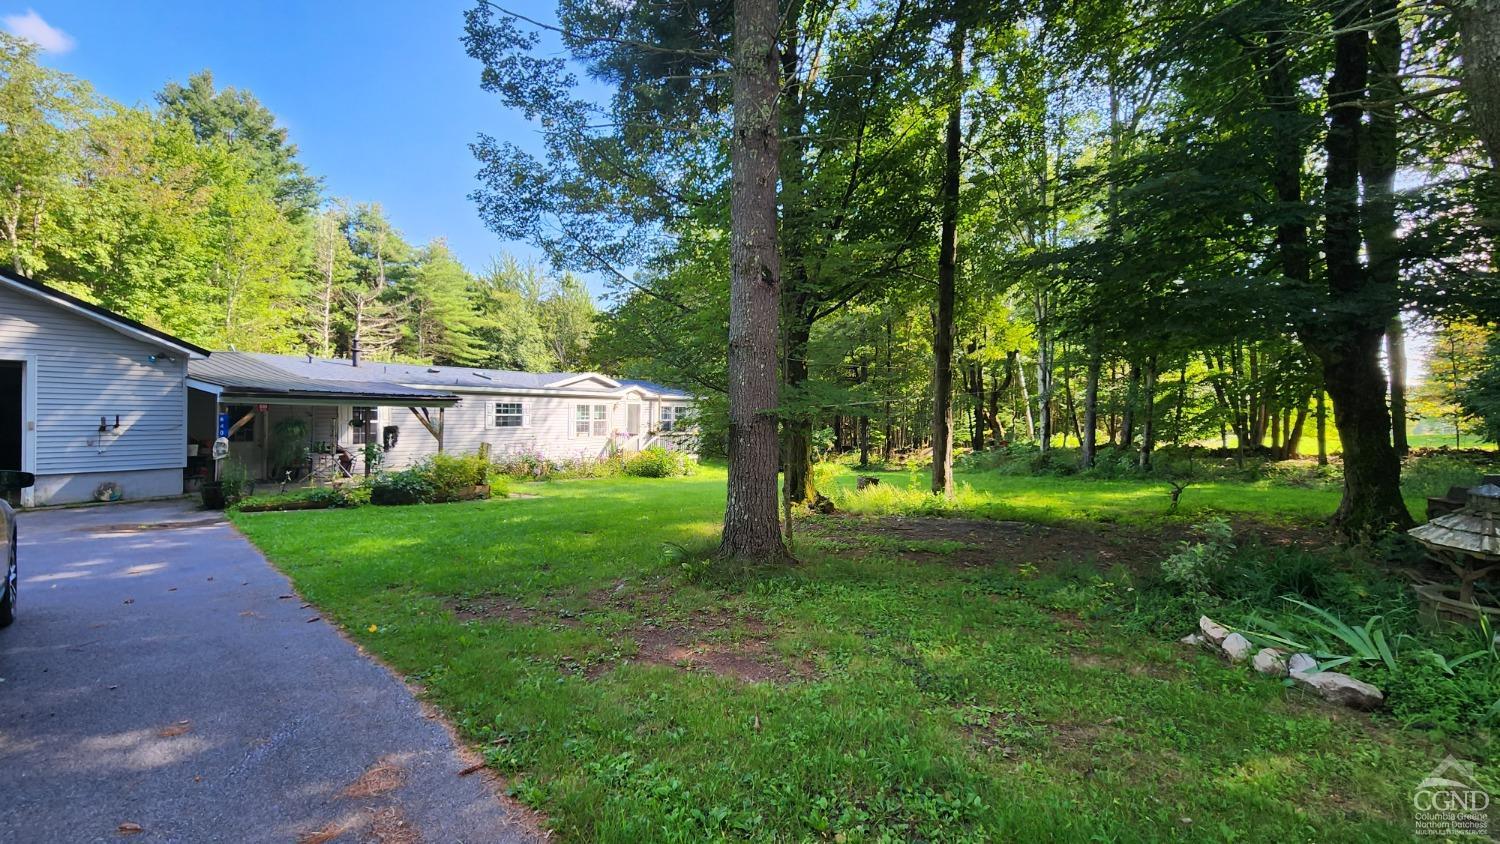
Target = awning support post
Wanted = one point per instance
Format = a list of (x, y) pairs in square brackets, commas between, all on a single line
[(435, 428)]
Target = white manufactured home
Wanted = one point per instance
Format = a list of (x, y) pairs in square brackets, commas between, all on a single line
[(99, 406), (413, 411)]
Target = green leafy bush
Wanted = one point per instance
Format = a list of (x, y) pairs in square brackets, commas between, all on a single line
[(234, 482), (405, 487), (453, 478), (657, 462), (439, 478), (1194, 566)]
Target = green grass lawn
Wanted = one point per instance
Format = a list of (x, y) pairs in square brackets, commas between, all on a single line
[(1055, 499), (877, 691)]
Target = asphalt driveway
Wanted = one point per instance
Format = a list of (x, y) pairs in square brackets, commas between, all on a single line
[(162, 677)]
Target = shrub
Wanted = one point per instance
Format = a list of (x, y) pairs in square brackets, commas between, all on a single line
[(439, 478), (1194, 566), (405, 487), (234, 479), (534, 466), (526, 466), (657, 462), (590, 467), (451, 477)]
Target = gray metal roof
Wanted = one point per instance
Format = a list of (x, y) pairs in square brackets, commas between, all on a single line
[(252, 376), (450, 377)]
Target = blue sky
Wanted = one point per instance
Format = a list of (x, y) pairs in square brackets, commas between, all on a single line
[(379, 96)]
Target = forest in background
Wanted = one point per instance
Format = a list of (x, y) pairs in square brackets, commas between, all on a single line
[(1116, 225), (1129, 224), (195, 216)]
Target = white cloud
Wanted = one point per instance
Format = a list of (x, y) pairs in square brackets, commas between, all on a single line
[(31, 27)]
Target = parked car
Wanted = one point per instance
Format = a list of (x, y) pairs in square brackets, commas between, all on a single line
[(10, 481)]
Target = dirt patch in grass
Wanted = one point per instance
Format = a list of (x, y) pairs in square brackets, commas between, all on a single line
[(747, 660), (499, 608), (713, 642), (972, 543)]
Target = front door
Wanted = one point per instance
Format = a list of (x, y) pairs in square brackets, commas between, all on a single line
[(633, 424)]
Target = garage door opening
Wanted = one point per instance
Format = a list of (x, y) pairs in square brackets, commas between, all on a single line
[(10, 418), (10, 415)]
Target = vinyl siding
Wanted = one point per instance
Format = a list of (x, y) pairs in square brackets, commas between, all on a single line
[(548, 428), (85, 370)]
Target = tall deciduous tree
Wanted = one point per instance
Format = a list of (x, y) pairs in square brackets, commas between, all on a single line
[(751, 524), (41, 111), (237, 118), (947, 275)]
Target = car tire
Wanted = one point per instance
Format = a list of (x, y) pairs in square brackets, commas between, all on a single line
[(8, 598)]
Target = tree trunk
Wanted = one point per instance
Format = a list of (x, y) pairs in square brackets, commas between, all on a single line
[(1087, 442), (797, 424), (1026, 402), (864, 441), (1395, 354), (1479, 44), (1181, 404), (1348, 340), (974, 388), (799, 297), (1148, 414), (1294, 439), (752, 528), (1378, 164), (1043, 377), (997, 391), (887, 447), (1127, 420), (942, 343), (1322, 426)]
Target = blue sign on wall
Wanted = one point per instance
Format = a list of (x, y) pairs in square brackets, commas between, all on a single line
[(223, 424)]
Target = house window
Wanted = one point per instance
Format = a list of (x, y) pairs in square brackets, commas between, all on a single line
[(246, 432), (509, 414), (365, 423), (591, 419), (671, 414)]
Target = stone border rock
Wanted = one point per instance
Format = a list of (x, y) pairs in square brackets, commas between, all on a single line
[(1301, 668)]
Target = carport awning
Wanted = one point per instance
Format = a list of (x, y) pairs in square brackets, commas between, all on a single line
[(243, 379)]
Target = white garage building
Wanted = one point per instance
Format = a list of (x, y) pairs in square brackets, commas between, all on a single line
[(88, 397)]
